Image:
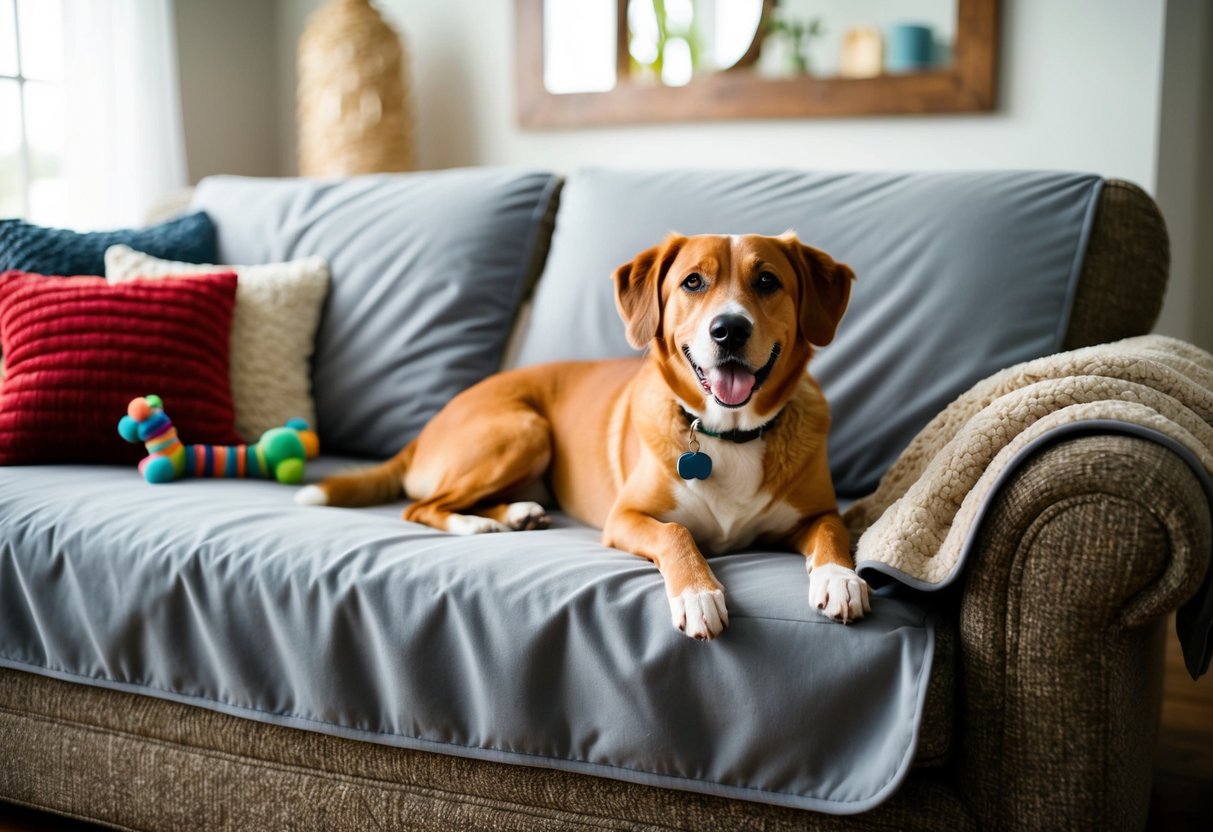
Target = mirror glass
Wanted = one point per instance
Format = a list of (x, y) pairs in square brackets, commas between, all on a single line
[(579, 45), (670, 42)]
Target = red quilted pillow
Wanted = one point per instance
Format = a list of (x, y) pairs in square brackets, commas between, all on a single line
[(77, 351)]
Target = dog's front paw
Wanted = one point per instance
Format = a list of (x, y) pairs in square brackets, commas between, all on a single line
[(700, 613), (838, 592)]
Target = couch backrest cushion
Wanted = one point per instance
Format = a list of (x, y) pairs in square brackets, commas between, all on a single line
[(427, 273), (958, 275)]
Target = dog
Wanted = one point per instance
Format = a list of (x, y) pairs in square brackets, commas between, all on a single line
[(713, 440)]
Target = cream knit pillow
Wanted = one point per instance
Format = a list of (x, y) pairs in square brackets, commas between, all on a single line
[(273, 332)]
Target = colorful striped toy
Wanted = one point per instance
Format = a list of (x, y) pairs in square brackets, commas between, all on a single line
[(279, 454)]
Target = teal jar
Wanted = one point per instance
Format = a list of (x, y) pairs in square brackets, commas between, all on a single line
[(910, 48)]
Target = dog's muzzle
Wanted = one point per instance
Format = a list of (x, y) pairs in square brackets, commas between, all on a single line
[(732, 383)]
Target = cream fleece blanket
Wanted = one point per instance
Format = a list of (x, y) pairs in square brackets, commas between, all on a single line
[(919, 516)]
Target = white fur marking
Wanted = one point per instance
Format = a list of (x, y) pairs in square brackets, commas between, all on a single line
[(730, 508), (701, 614), (732, 307), (526, 515), (838, 592), (311, 495), (473, 524)]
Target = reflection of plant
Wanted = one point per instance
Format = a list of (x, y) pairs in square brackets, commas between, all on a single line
[(799, 33), (668, 29)]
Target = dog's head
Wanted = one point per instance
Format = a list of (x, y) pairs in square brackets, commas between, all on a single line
[(732, 319)]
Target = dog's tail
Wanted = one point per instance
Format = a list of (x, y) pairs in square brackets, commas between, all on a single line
[(382, 484)]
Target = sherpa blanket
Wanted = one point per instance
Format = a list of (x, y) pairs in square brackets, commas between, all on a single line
[(917, 523)]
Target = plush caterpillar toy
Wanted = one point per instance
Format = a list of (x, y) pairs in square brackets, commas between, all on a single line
[(279, 454)]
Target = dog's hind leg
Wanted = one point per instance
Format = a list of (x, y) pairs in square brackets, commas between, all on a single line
[(523, 515), (461, 486)]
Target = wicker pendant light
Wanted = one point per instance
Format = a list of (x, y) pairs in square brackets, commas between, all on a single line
[(353, 93)]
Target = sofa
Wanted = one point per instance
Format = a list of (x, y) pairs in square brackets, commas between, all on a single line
[(208, 655)]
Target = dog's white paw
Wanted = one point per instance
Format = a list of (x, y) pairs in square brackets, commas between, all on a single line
[(526, 516), (701, 614), (838, 592), (473, 524), (311, 495)]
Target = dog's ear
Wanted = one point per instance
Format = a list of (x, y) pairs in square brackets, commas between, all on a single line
[(638, 289), (825, 288)]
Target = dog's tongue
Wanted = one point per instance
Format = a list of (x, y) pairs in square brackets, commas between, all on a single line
[(730, 384)]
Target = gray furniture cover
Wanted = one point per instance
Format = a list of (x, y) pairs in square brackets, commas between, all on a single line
[(540, 648), (958, 275)]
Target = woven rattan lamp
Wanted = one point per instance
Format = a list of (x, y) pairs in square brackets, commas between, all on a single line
[(353, 93)]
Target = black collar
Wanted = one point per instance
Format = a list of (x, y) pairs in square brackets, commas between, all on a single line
[(738, 436)]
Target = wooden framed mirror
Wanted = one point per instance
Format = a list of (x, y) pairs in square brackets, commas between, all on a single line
[(595, 62)]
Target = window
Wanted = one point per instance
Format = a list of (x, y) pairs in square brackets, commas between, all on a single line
[(31, 111)]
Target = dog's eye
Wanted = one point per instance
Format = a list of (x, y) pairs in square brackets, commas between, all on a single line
[(693, 283), (767, 282)]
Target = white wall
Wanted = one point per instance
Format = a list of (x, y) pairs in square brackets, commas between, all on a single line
[(1080, 88), (230, 86), (1185, 169)]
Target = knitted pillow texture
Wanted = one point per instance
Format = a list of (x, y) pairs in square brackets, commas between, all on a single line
[(77, 351), (59, 251), (273, 331)]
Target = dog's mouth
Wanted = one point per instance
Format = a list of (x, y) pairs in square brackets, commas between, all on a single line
[(732, 382)]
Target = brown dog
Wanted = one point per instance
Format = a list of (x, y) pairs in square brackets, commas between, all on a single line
[(730, 323)]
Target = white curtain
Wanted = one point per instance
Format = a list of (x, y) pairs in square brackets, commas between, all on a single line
[(124, 147)]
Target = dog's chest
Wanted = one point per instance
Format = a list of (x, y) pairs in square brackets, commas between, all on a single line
[(733, 506)]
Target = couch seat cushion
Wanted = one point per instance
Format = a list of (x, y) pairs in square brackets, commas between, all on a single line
[(540, 648)]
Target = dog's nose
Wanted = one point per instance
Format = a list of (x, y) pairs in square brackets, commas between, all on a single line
[(730, 331)]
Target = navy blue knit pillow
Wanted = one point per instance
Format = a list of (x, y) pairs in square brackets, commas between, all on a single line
[(59, 251)]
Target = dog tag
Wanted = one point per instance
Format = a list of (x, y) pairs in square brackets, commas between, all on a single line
[(694, 465)]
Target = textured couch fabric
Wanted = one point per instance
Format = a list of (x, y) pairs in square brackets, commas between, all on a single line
[(1124, 270), (1061, 621), (1055, 704), (149, 764)]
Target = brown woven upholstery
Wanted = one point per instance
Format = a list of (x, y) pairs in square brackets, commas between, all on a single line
[(1078, 562), (1041, 711), (939, 710), (1124, 272), (145, 763)]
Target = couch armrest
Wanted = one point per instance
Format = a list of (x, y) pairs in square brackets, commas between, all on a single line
[(1124, 269), (1061, 627)]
